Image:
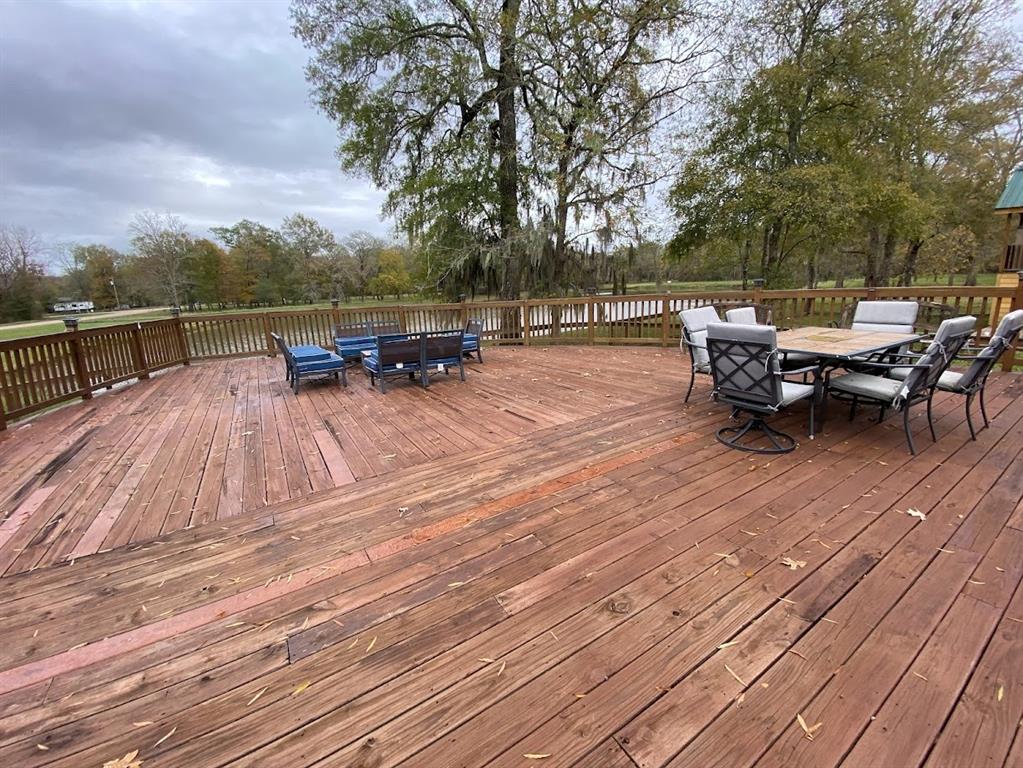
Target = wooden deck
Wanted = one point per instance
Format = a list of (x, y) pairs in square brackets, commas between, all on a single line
[(553, 564)]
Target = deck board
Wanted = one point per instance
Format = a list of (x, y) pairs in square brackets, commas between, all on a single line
[(585, 575)]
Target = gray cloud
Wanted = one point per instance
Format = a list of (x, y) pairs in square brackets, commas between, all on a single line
[(195, 108)]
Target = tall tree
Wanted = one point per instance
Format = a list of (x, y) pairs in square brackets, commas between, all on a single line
[(162, 242), (424, 96), (21, 274)]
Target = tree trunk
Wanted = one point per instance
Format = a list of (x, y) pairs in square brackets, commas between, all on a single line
[(909, 265), (508, 148), (873, 257), (887, 256), (744, 256)]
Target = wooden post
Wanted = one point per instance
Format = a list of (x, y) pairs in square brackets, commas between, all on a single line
[(665, 319), (464, 311), (335, 317), (591, 311), (525, 322), (402, 319), (1009, 356), (758, 290), (78, 356), (138, 352), (271, 348), (179, 324)]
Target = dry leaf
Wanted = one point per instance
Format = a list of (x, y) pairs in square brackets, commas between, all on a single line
[(142, 723), (808, 730), (371, 644), (536, 755), (732, 673), (793, 564), (301, 688), (916, 513), (253, 699), (167, 736), (1001, 692), (128, 761), (42, 747)]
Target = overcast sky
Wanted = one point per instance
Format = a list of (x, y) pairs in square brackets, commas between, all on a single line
[(200, 109)]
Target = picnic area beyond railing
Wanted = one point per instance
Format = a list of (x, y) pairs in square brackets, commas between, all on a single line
[(39, 372)]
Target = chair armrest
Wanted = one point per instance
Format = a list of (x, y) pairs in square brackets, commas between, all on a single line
[(887, 366), (806, 369), (693, 344)]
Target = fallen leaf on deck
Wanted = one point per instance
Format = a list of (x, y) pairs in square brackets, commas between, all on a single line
[(808, 730), (142, 723), (301, 688), (253, 699), (371, 644), (793, 564), (165, 737), (728, 645), (916, 513), (1001, 692), (732, 673), (536, 756), (456, 583), (128, 761), (42, 747)]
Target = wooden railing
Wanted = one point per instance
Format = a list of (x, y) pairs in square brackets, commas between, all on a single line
[(1013, 260), (39, 372)]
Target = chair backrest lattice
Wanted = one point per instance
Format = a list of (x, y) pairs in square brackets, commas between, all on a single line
[(744, 364), (1003, 337)]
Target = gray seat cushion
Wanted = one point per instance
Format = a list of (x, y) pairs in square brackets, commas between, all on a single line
[(949, 381), (696, 320), (791, 392), (742, 315), (887, 316), (797, 359), (864, 384)]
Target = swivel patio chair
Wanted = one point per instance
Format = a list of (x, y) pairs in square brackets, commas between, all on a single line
[(694, 340), (919, 383), (972, 381), (747, 376)]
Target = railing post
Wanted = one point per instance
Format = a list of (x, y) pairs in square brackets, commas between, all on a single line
[(139, 352), (271, 350), (525, 322), (78, 355), (179, 324), (402, 319), (665, 305), (758, 290), (464, 310), (1009, 356), (591, 311)]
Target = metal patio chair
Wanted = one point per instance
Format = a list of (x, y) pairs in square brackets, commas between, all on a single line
[(748, 377), (972, 381), (694, 340), (919, 383)]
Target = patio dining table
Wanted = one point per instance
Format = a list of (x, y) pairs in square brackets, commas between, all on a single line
[(834, 347)]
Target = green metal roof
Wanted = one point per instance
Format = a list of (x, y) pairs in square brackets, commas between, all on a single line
[(1012, 196)]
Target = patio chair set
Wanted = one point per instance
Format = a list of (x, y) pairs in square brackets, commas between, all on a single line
[(384, 353), (870, 363)]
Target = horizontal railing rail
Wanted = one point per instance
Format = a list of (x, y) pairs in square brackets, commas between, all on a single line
[(39, 372)]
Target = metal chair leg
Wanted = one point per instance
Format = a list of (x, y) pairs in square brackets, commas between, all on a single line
[(905, 426), (811, 417), (983, 409), (692, 380), (852, 408), (930, 421), (969, 417)]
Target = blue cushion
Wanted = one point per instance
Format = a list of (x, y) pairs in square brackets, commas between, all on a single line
[(470, 342), (331, 363), (370, 362), (441, 361), (309, 353)]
